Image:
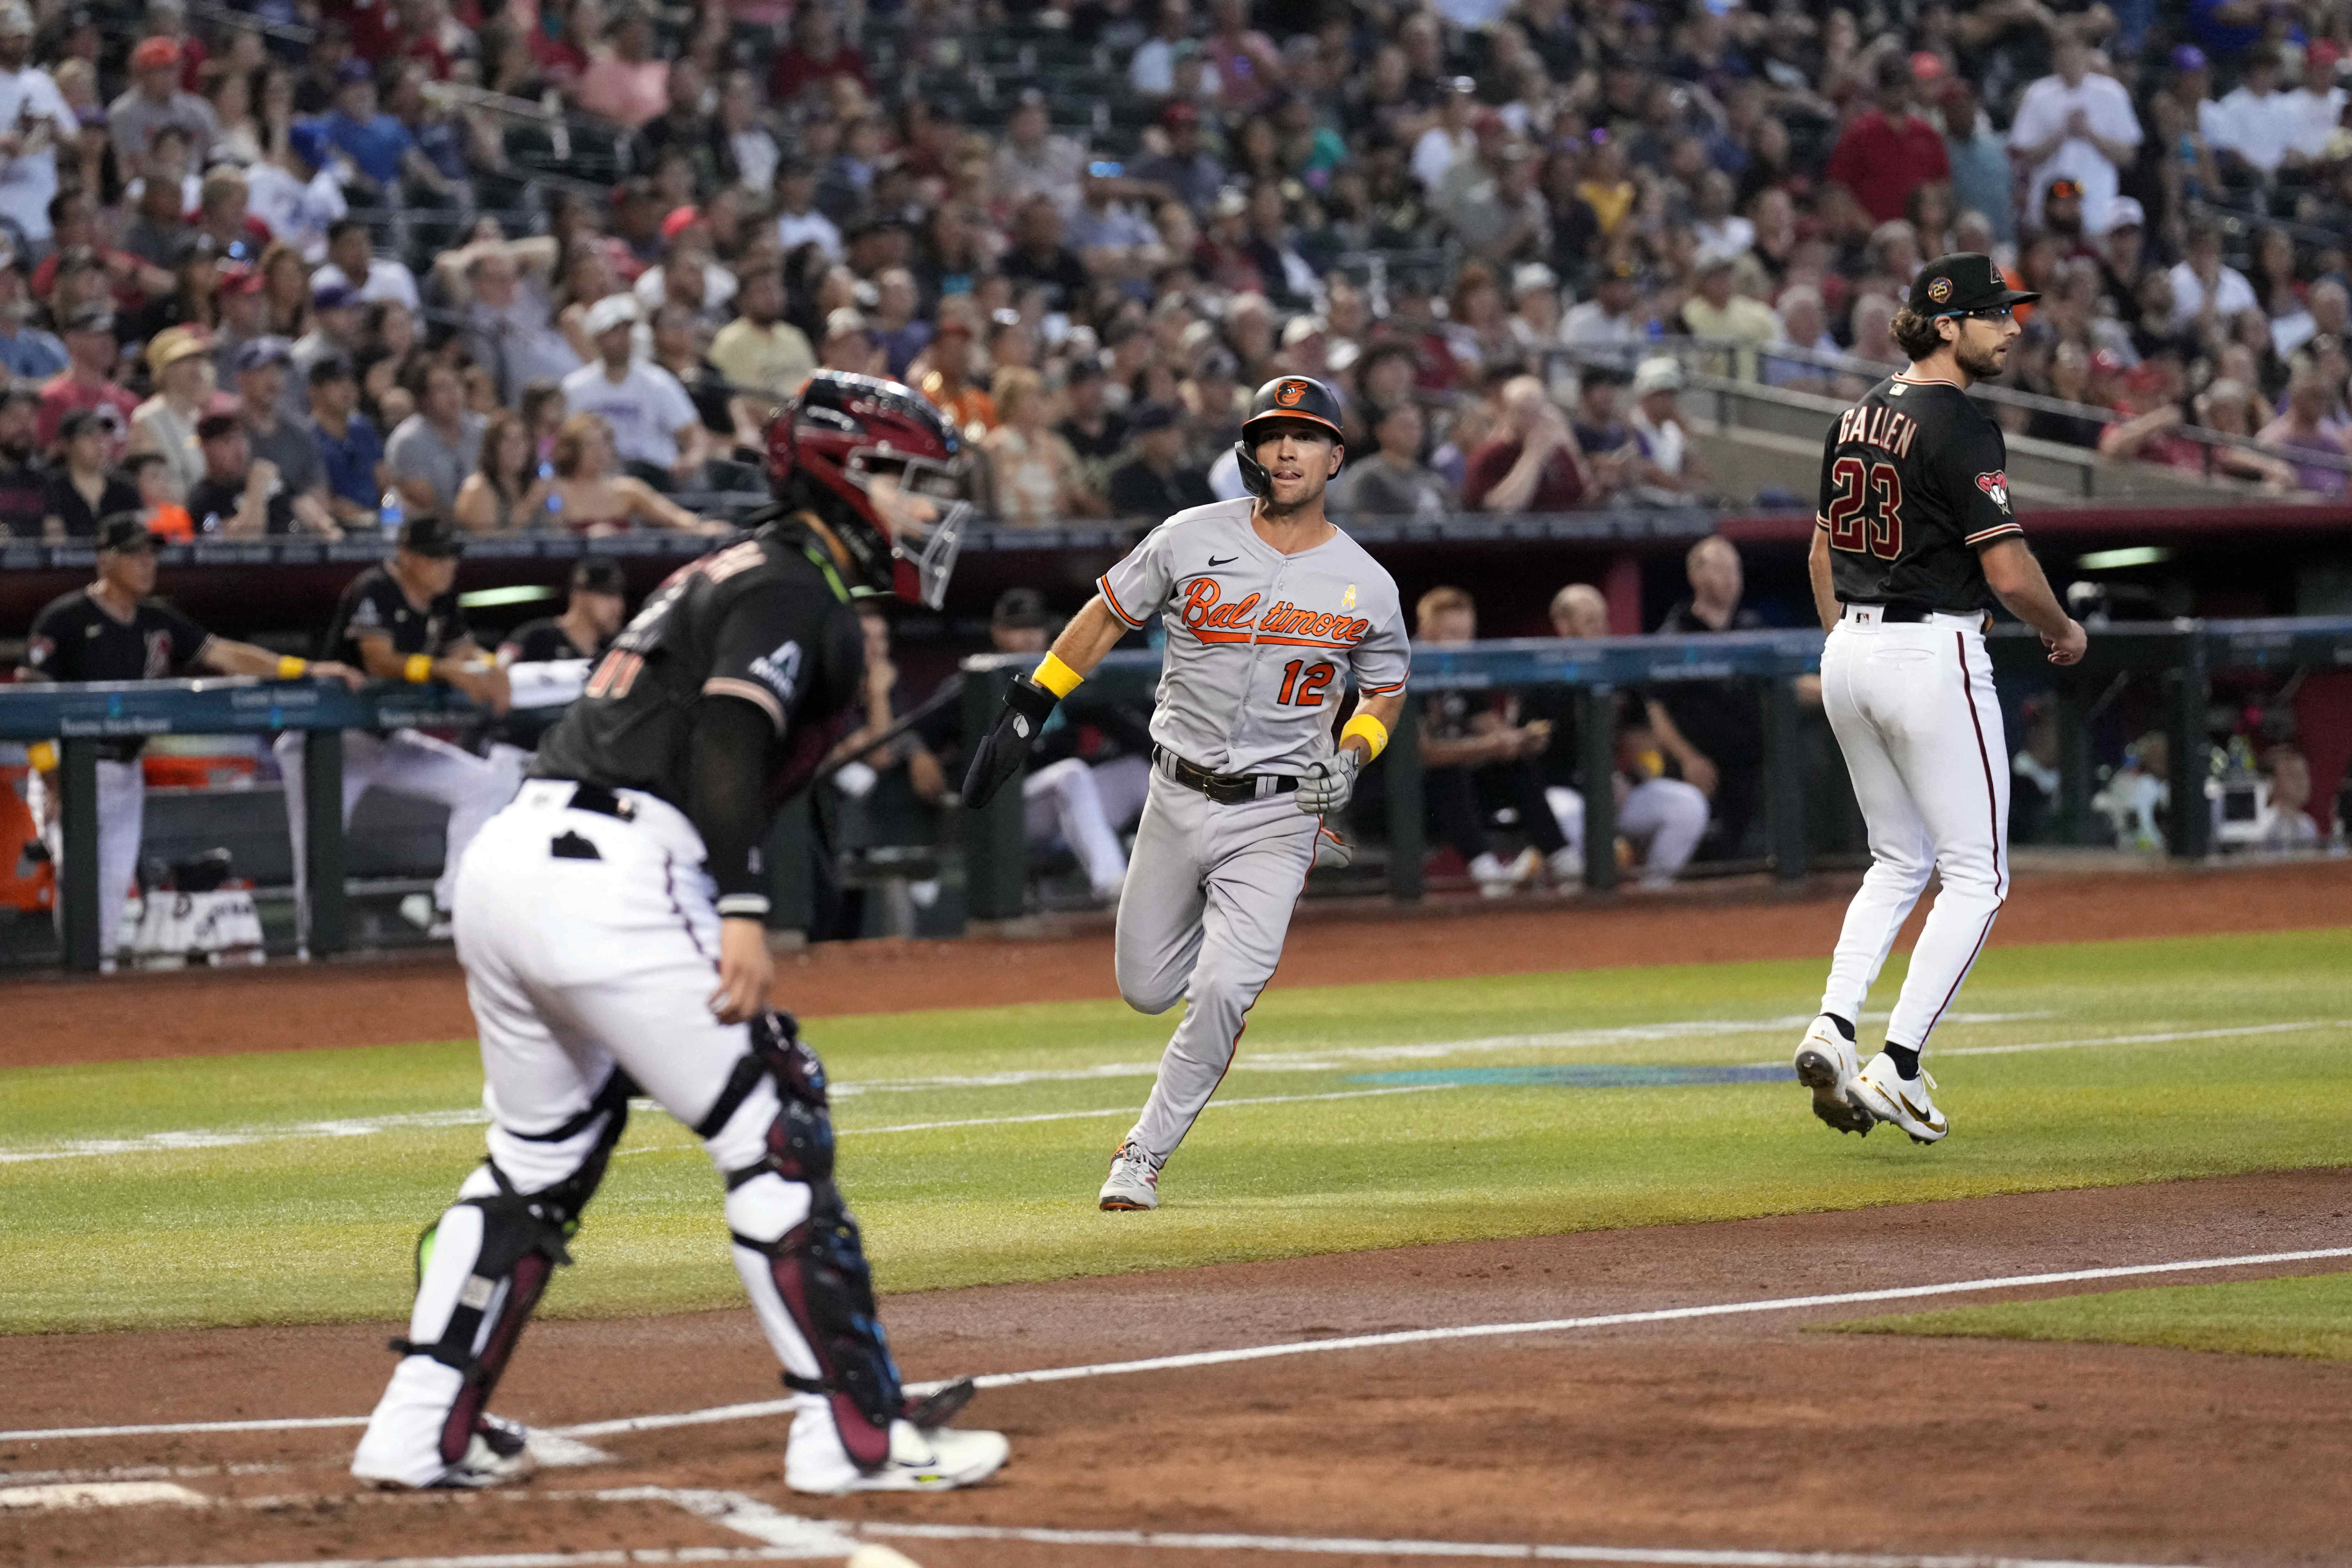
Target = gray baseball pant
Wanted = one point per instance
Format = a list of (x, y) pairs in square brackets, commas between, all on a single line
[(1208, 901)]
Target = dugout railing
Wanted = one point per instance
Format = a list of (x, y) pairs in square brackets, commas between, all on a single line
[(2185, 656)]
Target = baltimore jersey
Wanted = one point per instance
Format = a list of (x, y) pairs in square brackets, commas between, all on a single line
[(766, 620), (1913, 483)]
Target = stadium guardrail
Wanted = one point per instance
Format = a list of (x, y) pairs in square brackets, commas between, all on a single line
[(2188, 654)]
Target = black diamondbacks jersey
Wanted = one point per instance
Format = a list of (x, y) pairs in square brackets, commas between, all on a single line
[(1913, 483), (537, 642), (374, 603), (73, 638), (764, 620)]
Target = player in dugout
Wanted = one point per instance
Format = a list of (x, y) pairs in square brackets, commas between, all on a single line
[(116, 629), (401, 621)]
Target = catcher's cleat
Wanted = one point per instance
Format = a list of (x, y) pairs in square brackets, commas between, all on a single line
[(497, 1455), (1826, 1063), (1887, 1095), (1133, 1183), (935, 1459)]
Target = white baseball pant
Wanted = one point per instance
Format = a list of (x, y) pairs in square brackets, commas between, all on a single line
[(603, 954), (1077, 803), (1207, 905), (406, 761), (1914, 712), (1667, 817), (121, 823)]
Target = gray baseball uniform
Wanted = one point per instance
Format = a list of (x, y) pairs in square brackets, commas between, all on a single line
[(1260, 647)]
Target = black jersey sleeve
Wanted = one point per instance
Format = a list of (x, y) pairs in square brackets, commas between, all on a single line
[(726, 782), (1971, 470), (1823, 490), (189, 640), (49, 645), (765, 643)]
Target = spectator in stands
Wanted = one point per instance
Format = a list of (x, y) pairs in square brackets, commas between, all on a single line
[(350, 447), (1153, 481), (84, 487), (1611, 319), (88, 381), (432, 451), (1094, 433), (1391, 481), (1616, 459), (1982, 177), (24, 478), (1033, 161), (27, 353), (759, 349), (334, 334), (1477, 755), (1663, 817), (1804, 325), (816, 57), (625, 80), (37, 118), (351, 262), (294, 194), (2303, 427), (510, 488), (2255, 125), (285, 291), (165, 425), (239, 496), (155, 100), (1531, 464), (1674, 465), (946, 384), (657, 433), (1714, 730), (1187, 171), (2202, 283), (1718, 312), (2076, 124), (1032, 472), (850, 342), (159, 507), (1887, 151), (598, 501)]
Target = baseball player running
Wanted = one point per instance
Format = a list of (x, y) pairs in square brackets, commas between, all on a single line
[(1914, 525), (113, 630), (1269, 611), (611, 923)]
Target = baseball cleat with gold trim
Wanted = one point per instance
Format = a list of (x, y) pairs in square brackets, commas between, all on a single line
[(1887, 1095), (1826, 1063)]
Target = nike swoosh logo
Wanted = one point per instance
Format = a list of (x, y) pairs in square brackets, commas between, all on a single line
[(1925, 1113), (1227, 562)]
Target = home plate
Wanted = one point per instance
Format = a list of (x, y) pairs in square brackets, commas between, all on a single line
[(100, 1494)]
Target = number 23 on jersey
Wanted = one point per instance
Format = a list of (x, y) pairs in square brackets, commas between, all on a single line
[(1865, 513)]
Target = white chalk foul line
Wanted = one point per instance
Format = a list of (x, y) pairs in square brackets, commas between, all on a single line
[(1260, 1353), (178, 1140)]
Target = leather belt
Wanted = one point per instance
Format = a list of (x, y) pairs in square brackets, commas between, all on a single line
[(602, 801), (1225, 789)]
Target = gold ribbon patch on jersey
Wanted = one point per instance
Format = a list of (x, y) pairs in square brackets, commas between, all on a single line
[(1347, 599)]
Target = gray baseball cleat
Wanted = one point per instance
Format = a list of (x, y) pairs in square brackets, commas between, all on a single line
[(1133, 1183)]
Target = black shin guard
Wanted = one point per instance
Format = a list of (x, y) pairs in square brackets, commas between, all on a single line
[(523, 1243)]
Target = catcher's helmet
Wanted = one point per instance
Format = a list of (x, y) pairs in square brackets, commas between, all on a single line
[(1286, 399), (884, 469)]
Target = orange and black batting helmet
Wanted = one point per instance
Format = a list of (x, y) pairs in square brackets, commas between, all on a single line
[(1286, 399)]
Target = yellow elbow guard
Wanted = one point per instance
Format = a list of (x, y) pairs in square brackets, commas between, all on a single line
[(42, 755), (1375, 734), (291, 669), (1055, 677), (418, 669)]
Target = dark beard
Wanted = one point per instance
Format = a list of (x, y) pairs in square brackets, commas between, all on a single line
[(1983, 364)]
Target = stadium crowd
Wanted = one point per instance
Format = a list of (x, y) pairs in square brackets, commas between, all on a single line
[(547, 264)]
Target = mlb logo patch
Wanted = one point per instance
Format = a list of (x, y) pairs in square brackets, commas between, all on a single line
[(1996, 485)]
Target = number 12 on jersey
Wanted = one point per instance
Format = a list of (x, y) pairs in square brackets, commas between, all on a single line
[(1867, 512), (1307, 693)]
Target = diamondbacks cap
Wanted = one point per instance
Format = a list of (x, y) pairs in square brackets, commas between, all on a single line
[(599, 574), (426, 534), (125, 531), (1964, 281)]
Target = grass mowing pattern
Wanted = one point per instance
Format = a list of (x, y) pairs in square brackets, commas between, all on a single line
[(2308, 1316), (321, 1229)]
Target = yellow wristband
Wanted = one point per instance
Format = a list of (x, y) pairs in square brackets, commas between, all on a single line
[(1375, 733), (43, 755), (419, 668), (1055, 677), (291, 669)]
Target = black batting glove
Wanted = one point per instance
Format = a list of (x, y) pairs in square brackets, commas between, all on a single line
[(1004, 749)]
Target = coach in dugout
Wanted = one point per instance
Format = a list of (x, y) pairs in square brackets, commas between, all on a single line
[(115, 631), (401, 621)]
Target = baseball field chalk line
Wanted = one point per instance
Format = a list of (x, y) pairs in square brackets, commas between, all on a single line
[(768, 1407), (184, 1140)]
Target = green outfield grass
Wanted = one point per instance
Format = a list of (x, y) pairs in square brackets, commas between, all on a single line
[(2309, 1316), (319, 1226)]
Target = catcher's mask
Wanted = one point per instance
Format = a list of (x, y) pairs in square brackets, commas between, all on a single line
[(884, 470)]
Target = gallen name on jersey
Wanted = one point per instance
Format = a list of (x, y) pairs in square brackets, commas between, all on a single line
[(1887, 427)]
